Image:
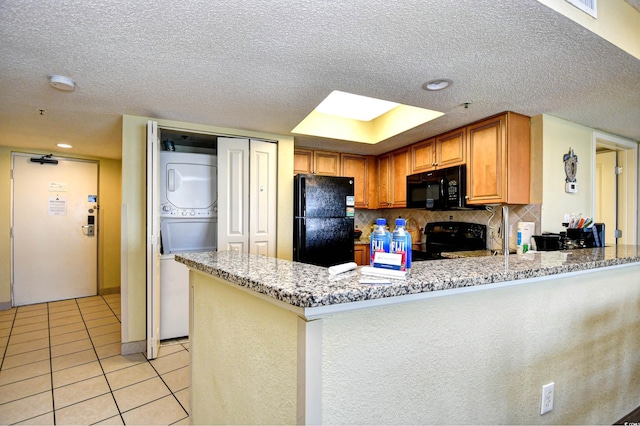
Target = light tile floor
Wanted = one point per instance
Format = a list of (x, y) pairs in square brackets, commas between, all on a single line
[(60, 363)]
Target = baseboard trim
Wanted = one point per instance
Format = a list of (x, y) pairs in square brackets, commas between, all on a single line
[(110, 290), (5, 305), (134, 347), (632, 417)]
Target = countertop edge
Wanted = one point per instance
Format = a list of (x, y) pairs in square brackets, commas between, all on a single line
[(321, 311), (312, 289)]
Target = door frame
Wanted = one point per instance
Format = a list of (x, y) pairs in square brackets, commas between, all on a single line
[(627, 183)]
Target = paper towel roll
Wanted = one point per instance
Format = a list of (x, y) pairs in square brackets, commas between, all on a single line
[(338, 269)]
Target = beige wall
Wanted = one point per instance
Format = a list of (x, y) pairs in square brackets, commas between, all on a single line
[(469, 358), (617, 22), (109, 219), (108, 225), (482, 358), (558, 136), (245, 353), (133, 207)]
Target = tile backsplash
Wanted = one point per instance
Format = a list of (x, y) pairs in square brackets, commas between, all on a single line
[(364, 219)]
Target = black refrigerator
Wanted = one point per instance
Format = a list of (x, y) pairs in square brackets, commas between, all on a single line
[(323, 220)]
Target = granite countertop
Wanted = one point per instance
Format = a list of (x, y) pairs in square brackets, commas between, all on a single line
[(310, 286)]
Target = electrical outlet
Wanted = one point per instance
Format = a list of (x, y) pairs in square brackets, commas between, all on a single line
[(546, 403)]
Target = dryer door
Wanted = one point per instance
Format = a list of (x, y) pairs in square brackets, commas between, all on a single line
[(189, 184)]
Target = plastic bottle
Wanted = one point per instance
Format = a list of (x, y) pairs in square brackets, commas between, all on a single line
[(380, 239), (401, 243)]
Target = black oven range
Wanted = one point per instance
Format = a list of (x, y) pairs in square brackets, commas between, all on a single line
[(450, 237)]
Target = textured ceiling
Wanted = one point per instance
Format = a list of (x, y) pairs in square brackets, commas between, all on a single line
[(263, 65)]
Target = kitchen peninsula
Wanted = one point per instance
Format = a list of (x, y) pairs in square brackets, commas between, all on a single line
[(460, 341)]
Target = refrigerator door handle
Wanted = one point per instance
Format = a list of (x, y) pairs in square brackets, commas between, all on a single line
[(299, 249), (300, 197), (303, 196)]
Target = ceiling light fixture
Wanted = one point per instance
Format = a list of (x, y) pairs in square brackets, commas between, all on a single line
[(437, 84), (356, 107), (64, 145), (61, 82)]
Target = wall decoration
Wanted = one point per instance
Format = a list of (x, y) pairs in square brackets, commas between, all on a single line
[(570, 170)]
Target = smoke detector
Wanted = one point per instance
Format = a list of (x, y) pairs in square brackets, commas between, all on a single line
[(61, 82)]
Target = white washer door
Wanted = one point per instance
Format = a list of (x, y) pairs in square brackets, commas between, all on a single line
[(182, 235)]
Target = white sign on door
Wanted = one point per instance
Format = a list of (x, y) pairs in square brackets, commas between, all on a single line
[(57, 206)]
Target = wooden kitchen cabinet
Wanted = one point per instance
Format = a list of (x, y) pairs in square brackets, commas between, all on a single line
[(498, 157), (302, 161), (451, 148), (309, 161), (326, 163), (446, 150), (393, 169), (422, 156), (361, 254), (362, 169)]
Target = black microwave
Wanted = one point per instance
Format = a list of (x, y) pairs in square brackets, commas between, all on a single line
[(443, 189)]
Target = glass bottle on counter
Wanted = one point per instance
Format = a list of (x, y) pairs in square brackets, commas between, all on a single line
[(380, 239), (401, 243)]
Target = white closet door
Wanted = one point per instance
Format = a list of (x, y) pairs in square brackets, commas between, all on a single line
[(153, 240), (262, 197), (233, 194)]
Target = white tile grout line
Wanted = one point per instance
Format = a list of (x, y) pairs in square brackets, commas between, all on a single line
[(53, 399), (86, 328), (170, 390), (98, 358)]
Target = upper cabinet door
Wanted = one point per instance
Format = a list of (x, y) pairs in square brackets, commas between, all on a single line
[(450, 149), (443, 151), (357, 166), (486, 165), (308, 161), (392, 179), (400, 170), (326, 163), (302, 161), (422, 156), (498, 163)]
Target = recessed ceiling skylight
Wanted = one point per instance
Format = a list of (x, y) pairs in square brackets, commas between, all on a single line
[(360, 122), (356, 107)]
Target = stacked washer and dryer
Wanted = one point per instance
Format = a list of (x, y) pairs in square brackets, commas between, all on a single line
[(188, 223)]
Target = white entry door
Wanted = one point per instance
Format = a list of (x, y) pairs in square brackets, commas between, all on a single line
[(54, 229)]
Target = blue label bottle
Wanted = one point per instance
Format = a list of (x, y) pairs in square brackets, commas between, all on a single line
[(401, 243), (380, 239)]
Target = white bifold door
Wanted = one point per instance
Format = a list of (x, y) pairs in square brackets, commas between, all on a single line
[(247, 184), (247, 178), (54, 228)]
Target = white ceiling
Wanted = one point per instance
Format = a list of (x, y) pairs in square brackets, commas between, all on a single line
[(263, 65)]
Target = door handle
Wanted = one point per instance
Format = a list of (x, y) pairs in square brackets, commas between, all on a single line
[(172, 180), (88, 230)]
